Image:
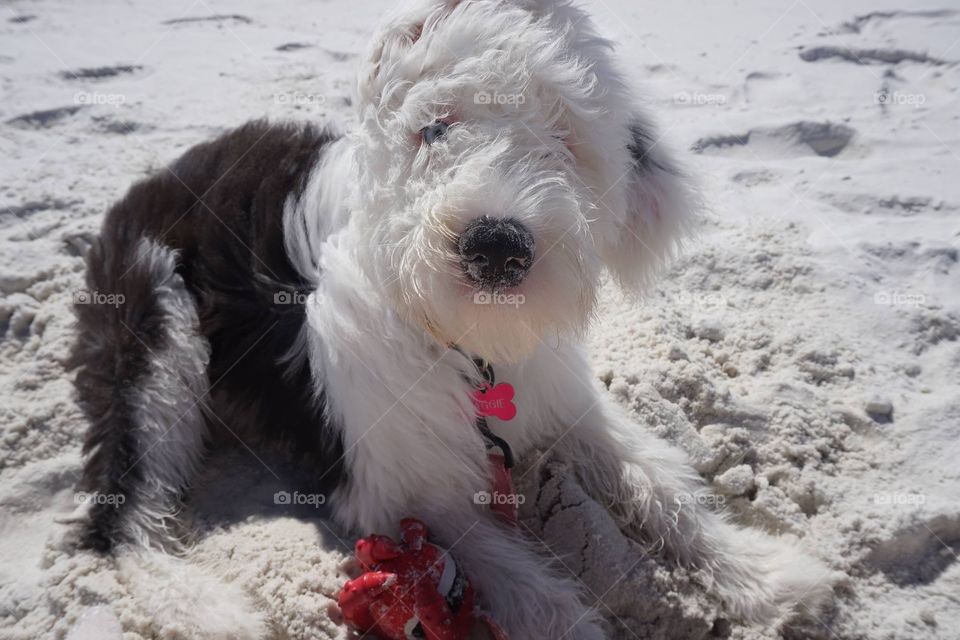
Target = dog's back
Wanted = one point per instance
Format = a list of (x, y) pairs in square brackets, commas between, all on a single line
[(192, 305)]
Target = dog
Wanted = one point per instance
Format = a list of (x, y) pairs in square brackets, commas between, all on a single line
[(345, 294)]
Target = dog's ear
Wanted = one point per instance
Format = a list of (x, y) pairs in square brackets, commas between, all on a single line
[(393, 42), (657, 208), (386, 43)]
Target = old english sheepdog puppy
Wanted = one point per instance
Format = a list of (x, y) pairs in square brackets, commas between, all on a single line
[(337, 292)]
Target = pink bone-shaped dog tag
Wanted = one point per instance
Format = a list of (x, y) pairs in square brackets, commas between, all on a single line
[(496, 401)]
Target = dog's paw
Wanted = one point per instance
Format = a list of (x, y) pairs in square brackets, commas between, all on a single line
[(771, 580)]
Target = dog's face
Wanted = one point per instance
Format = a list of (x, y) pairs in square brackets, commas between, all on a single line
[(502, 166)]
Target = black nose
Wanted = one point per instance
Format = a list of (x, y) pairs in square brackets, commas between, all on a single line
[(496, 253)]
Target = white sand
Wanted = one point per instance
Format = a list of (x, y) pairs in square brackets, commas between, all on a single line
[(825, 280)]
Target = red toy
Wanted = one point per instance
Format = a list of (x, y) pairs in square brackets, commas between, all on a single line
[(411, 590)]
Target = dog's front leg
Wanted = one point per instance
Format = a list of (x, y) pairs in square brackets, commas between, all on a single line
[(655, 496), (524, 596)]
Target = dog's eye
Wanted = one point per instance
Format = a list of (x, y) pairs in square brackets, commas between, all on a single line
[(433, 132)]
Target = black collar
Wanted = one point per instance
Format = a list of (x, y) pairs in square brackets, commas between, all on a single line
[(489, 380)]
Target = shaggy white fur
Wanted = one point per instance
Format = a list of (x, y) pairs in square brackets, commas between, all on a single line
[(541, 130)]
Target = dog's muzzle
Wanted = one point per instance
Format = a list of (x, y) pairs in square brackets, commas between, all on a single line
[(496, 253)]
